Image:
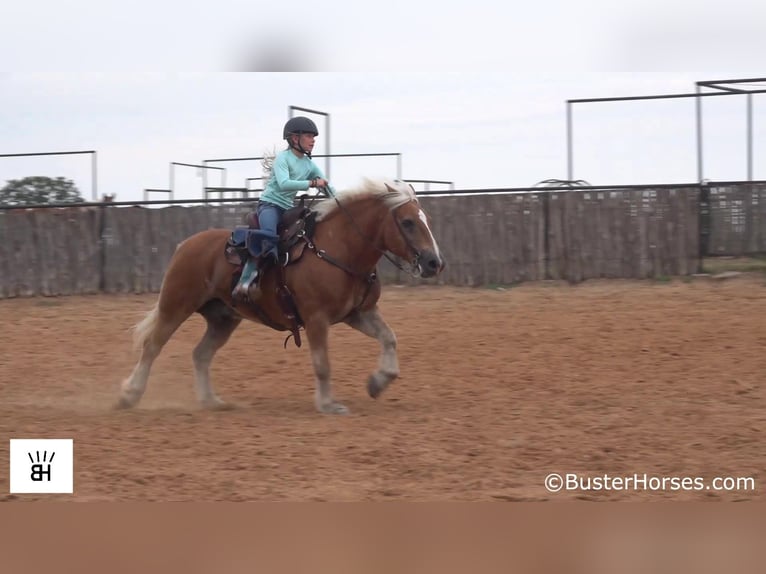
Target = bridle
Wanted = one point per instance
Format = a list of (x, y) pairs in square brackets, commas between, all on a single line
[(414, 263), (369, 277)]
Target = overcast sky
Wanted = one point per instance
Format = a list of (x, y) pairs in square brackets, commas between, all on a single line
[(486, 109)]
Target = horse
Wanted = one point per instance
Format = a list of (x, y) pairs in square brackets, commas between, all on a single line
[(332, 280)]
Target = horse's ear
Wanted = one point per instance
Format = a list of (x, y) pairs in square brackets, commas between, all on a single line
[(389, 188)]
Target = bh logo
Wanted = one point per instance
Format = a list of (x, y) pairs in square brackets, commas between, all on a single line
[(42, 465), (39, 471)]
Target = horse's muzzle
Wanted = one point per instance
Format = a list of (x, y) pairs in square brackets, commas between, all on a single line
[(430, 264)]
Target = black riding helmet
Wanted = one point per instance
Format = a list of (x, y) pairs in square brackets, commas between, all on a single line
[(299, 125)]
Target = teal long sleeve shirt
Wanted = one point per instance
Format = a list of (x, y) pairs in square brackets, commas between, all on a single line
[(289, 175)]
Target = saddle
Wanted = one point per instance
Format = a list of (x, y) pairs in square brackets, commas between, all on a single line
[(297, 223), (295, 231)]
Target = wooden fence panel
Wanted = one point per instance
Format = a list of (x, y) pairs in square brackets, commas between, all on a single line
[(737, 219), (505, 245), (533, 267), (73, 238), (757, 221), (486, 239), (556, 237), (139, 243), (441, 223), (21, 254), (7, 273), (125, 250), (754, 219), (49, 252)]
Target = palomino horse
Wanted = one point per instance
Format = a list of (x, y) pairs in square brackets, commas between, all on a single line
[(332, 282)]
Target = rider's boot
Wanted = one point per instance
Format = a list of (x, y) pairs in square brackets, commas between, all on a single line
[(247, 287)]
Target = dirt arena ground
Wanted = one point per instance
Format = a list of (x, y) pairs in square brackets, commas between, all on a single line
[(498, 389)]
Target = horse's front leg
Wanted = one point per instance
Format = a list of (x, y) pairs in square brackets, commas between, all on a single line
[(372, 324), (317, 331)]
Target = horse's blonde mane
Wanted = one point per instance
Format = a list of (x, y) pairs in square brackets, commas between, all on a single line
[(392, 193)]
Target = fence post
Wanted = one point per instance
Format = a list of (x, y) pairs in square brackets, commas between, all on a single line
[(546, 229), (704, 224), (101, 213)]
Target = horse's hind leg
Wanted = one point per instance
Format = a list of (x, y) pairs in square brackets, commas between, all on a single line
[(372, 324), (150, 336), (221, 322)]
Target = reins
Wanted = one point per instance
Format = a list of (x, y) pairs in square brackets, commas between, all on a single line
[(369, 277), (371, 242)]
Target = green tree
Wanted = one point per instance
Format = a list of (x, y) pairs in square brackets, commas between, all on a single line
[(39, 189)]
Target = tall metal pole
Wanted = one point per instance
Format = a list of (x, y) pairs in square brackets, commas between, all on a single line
[(704, 191), (94, 176), (399, 166), (570, 165), (750, 137), (329, 153), (170, 182), (204, 179), (698, 105)]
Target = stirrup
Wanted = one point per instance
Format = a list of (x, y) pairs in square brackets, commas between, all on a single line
[(242, 289), (270, 259), (251, 293)]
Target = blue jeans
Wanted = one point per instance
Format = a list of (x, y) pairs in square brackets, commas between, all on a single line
[(269, 216)]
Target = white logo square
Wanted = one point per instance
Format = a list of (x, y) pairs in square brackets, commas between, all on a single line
[(42, 465)]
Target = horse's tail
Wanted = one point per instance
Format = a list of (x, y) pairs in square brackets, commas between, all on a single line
[(144, 328)]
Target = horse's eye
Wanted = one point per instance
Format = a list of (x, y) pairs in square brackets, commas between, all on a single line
[(408, 224)]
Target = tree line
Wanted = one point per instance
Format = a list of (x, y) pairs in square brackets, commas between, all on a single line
[(36, 190)]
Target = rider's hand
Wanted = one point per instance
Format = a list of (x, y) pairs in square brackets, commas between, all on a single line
[(319, 182)]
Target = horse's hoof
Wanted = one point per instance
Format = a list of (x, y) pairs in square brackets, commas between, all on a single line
[(374, 388), (334, 408), (123, 403), (217, 404)]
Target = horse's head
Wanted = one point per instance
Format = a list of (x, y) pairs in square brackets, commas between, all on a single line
[(407, 234)]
